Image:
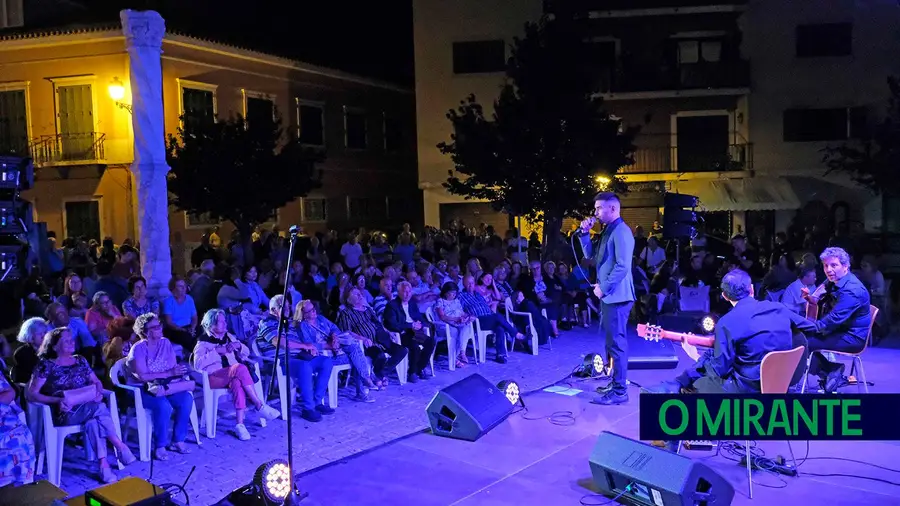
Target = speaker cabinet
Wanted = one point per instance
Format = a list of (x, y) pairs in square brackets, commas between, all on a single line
[(657, 477), (468, 409)]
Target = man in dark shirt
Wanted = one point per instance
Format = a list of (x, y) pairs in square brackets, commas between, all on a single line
[(743, 337), (844, 328)]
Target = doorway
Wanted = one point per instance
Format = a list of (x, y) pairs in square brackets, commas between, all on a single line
[(76, 122), (82, 219), (702, 143)]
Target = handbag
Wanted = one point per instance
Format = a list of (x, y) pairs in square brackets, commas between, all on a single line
[(78, 396), (167, 386)]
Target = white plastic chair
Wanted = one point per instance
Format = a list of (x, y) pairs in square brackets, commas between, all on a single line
[(142, 416), (481, 352), (510, 312), (55, 437), (403, 366), (211, 398), (692, 298), (442, 330), (284, 391)]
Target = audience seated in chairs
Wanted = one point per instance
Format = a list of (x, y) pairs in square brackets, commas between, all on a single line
[(475, 304), (309, 369), (31, 335), (179, 314), (225, 359), (403, 317), (99, 316), (61, 370), (18, 458), (543, 292), (449, 310), (359, 318), (58, 316), (152, 365), (139, 303), (345, 348)]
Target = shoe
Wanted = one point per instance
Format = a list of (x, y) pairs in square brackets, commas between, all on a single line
[(267, 412), (424, 376), (364, 398), (127, 457), (324, 409), (241, 431), (501, 359), (611, 398), (412, 378), (107, 475), (666, 387), (835, 380), (311, 415), (161, 454)]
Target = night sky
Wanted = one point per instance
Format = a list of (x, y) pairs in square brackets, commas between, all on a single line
[(373, 38)]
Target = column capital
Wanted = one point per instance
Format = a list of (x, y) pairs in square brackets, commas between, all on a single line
[(144, 29)]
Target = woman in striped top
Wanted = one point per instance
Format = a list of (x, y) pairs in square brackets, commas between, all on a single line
[(359, 318)]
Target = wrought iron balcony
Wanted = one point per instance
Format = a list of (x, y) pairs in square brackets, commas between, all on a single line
[(69, 149), (686, 76), (551, 6), (671, 159)]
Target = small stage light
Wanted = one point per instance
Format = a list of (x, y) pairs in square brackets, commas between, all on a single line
[(511, 389), (271, 486), (593, 365), (707, 324)]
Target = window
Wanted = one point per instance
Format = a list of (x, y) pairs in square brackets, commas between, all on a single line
[(202, 220), (13, 123), (699, 51), (393, 134), (832, 39), (198, 103), (11, 13), (817, 125), (259, 110), (478, 57), (366, 208), (311, 124), (355, 135), (315, 210)]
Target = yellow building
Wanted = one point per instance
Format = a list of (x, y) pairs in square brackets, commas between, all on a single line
[(65, 99)]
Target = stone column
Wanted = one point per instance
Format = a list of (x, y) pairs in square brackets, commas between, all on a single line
[(144, 31)]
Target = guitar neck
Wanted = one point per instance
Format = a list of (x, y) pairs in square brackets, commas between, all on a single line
[(647, 333)]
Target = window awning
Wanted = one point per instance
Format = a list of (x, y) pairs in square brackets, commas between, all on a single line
[(756, 194)]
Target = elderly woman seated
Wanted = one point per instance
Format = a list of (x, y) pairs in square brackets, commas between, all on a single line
[(18, 457), (99, 316), (359, 318), (65, 382), (225, 359), (449, 310), (139, 303), (152, 365), (329, 339), (31, 335)]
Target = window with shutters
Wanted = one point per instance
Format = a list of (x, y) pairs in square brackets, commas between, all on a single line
[(13, 122), (198, 102), (818, 125)]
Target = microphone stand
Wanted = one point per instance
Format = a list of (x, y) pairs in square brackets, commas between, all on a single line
[(294, 496)]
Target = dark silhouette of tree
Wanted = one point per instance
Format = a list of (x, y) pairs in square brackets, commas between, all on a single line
[(873, 160), (549, 139), (238, 171)]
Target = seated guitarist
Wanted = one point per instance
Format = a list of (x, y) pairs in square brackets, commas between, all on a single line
[(844, 328), (743, 337)]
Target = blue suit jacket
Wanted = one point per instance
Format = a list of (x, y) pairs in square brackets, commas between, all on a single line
[(613, 259)]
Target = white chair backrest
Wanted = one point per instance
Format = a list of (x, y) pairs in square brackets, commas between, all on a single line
[(429, 314), (508, 303), (694, 298), (117, 372)]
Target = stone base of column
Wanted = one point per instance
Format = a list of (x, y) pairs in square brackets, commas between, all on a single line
[(153, 226)]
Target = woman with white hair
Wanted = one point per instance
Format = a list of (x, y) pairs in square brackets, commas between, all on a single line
[(31, 335), (224, 357)]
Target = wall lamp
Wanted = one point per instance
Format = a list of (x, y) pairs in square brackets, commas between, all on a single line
[(117, 92)]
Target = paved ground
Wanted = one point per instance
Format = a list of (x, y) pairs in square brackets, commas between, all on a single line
[(224, 463)]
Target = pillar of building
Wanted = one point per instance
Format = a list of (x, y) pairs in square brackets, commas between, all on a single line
[(144, 31)]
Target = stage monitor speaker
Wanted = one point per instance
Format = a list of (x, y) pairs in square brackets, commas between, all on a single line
[(657, 477), (468, 409)]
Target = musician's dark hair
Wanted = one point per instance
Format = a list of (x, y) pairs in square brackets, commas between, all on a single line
[(804, 270), (607, 197), (736, 285)]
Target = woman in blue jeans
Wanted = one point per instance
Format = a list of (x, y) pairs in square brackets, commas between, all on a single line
[(153, 359)]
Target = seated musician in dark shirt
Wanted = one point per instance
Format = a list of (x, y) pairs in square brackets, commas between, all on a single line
[(743, 337), (846, 326)]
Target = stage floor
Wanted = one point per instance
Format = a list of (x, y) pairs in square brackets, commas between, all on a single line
[(528, 459)]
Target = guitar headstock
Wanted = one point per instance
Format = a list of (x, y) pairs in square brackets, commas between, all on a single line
[(653, 333)]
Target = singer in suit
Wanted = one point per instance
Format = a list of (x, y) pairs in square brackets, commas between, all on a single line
[(615, 289)]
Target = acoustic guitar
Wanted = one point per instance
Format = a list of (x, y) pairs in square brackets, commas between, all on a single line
[(817, 307), (655, 333)]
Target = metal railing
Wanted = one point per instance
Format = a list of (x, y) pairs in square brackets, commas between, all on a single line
[(686, 76), (653, 160), (80, 147)]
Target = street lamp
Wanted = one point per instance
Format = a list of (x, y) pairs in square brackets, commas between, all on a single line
[(117, 92), (602, 181)]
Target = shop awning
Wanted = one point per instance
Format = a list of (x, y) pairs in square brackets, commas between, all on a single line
[(756, 194)]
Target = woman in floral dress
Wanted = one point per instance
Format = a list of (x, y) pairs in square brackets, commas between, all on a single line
[(17, 459)]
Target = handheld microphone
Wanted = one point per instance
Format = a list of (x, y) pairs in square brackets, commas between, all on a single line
[(294, 230)]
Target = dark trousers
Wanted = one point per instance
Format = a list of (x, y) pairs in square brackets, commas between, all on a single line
[(385, 358), (541, 324), (820, 366), (501, 328), (613, 319), (182, 338), (419, 353)]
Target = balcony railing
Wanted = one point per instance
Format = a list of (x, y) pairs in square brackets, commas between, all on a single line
[(551, 6), (656, 160), (68, 148), (686, 76)]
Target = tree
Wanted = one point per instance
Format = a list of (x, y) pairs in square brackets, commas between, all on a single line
[(872, 161), (238, 171), (548, 141)]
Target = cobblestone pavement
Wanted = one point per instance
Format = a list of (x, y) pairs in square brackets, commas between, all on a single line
[(225, 463)]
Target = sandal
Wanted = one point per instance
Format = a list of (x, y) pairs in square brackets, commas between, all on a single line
[(179, 448), (161, 454), (460, 364)]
